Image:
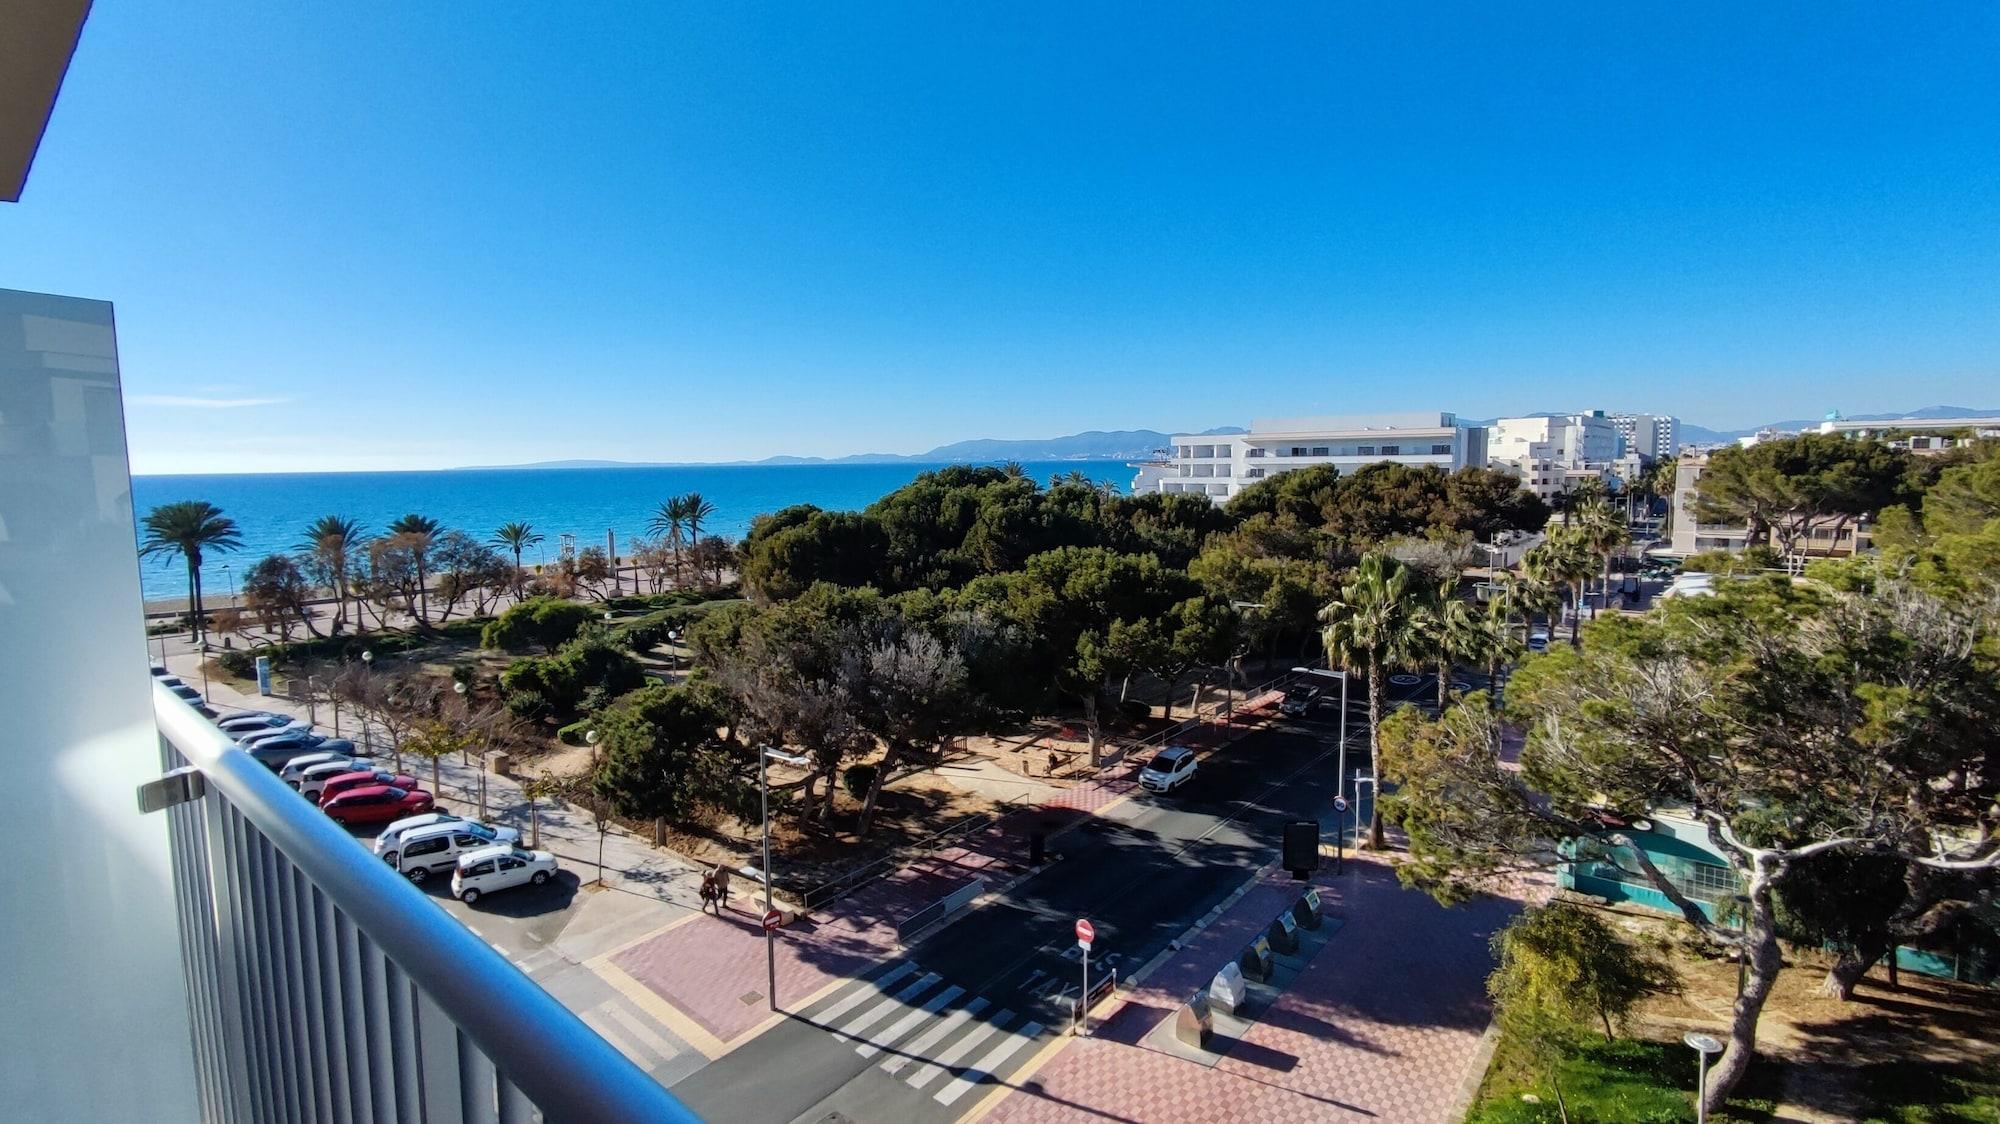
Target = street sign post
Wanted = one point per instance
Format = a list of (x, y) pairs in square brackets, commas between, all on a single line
[(773, 919), (1339, 834), (1085, 933)]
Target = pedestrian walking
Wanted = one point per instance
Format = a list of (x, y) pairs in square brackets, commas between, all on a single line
[(708, 894)]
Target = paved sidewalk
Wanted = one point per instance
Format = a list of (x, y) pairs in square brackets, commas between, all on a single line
[(1383, 1025)]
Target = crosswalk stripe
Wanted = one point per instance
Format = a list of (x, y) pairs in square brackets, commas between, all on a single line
[(960, 1049), (986, 1065), (935, 1035), (863, 991), (853, 1027), (661, 1047), (597, 1023), (902, 1026)]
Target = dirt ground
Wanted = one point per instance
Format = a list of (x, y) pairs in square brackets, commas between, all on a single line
[(1821, 1041)]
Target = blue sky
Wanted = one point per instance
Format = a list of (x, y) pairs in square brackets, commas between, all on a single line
[(424, 235)]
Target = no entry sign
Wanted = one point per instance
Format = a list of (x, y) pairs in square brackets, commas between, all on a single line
[(772, 920), (1084, 933)]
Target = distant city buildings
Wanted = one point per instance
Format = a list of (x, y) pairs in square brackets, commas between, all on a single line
[(1221, 465), (1656, 437), (1553, 454)]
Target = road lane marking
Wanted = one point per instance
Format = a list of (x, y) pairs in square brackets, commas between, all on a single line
[(934, 1035), (865, 991), (986, 1065), (596, 1022), (660, 1046), (960, 1049), (903, 1025), (854, 1027)]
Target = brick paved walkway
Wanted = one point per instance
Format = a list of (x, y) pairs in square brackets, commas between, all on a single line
[(707, 966), (1383, 1025)]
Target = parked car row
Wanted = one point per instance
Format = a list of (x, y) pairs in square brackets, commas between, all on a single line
[(183, 691)]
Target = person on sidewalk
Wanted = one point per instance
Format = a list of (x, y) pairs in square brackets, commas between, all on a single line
[(721, 888), (708, 894)]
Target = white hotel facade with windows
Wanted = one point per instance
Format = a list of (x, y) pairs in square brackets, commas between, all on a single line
[(1222, 465)]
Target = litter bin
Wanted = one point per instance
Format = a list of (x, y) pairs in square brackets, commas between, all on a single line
[(1193, 1022), (1227, 991), (1307, 909), (1284, 933), (1256, 959)]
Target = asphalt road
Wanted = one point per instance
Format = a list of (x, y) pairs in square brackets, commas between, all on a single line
[(1142, 873)]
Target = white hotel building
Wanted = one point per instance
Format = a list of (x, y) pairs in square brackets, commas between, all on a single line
[(1222, 465)]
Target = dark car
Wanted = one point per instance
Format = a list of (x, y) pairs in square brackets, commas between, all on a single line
[(364, 778), (1298, 700), (377, 803), (276, 752)]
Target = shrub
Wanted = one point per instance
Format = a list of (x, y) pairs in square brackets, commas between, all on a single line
[(546, 622), (1749, 560), (591, 668), (856, 780), (573, 733)]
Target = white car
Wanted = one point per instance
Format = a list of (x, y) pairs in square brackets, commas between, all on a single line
[(385, 839), (499, 868), (1169, 769), (313, 778), (244, 727), (1538, 640), (297, 766), (423, 851)]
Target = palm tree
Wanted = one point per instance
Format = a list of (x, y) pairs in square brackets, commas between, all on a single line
[(1372, 622), (1603, 530), (331, 539), (186, 528), (1563, 559), (1454, 633), (516, 537), (670, 522), (418, 532), (694, 510)]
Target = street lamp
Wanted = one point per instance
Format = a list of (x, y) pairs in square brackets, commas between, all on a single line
[(231, 576), (367, 739), (674, 648), (1704, 1047), (1374, 794), (765, 754)]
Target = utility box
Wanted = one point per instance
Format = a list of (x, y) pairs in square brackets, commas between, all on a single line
[(1193, 1022), (1227, 990), (1256, 959), (1284, 933)]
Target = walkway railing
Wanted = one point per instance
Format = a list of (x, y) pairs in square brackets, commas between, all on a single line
[(325, 987)]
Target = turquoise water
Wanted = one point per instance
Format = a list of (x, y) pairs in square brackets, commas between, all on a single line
[(272, 510)]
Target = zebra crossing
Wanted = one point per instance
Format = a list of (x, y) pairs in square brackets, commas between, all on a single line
[(932, 1035), (632, 1031)]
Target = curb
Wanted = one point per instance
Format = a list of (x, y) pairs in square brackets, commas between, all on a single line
[(1475, 1076), (1179, 944)]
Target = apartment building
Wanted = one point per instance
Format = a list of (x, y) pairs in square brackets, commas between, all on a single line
[(1655, 437), (1222, 465), (1554, 454), (1691, 536)]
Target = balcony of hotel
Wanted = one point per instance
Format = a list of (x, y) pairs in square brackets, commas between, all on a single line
[(188, 939)]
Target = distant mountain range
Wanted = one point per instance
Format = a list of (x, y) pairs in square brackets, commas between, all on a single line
[(1138, 444), (1091, 445)]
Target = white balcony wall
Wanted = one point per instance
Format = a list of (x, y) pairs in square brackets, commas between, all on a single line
[(96, 1026)]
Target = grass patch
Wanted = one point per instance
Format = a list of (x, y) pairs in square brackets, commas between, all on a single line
[(1901, 1093), (1627, 1081)]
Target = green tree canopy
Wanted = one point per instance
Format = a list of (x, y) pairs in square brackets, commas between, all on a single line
[(545, 622), (662, 753)]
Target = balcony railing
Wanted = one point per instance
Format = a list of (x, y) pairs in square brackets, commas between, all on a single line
[(323, 986)]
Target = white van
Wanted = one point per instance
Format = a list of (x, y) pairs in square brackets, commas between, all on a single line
[(424, 851), (499, 868)]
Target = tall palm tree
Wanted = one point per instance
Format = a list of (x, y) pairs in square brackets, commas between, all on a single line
[(332, 539), (418, 533), (1603, 530), (1372, 622), (1453, 633), (695, 511), (1563, 559), (516, 537), (670, 523), (186, 528)]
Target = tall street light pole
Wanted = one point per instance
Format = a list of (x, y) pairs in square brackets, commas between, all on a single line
[(765, 754)]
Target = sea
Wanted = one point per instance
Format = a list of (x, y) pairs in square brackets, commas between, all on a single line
[(271, 510)]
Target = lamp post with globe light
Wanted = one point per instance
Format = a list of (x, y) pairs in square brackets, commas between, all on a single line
[(765, 755), (1704, 1048)]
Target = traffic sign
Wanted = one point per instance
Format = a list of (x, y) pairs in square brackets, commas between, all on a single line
[(1084, 933), (1340, 803), (772, 920)]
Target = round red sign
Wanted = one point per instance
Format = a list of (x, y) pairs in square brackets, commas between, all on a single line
[(772, 920), (1084, 932)]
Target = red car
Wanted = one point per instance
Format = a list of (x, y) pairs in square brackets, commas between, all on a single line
[(377, 803), (362, 778)]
